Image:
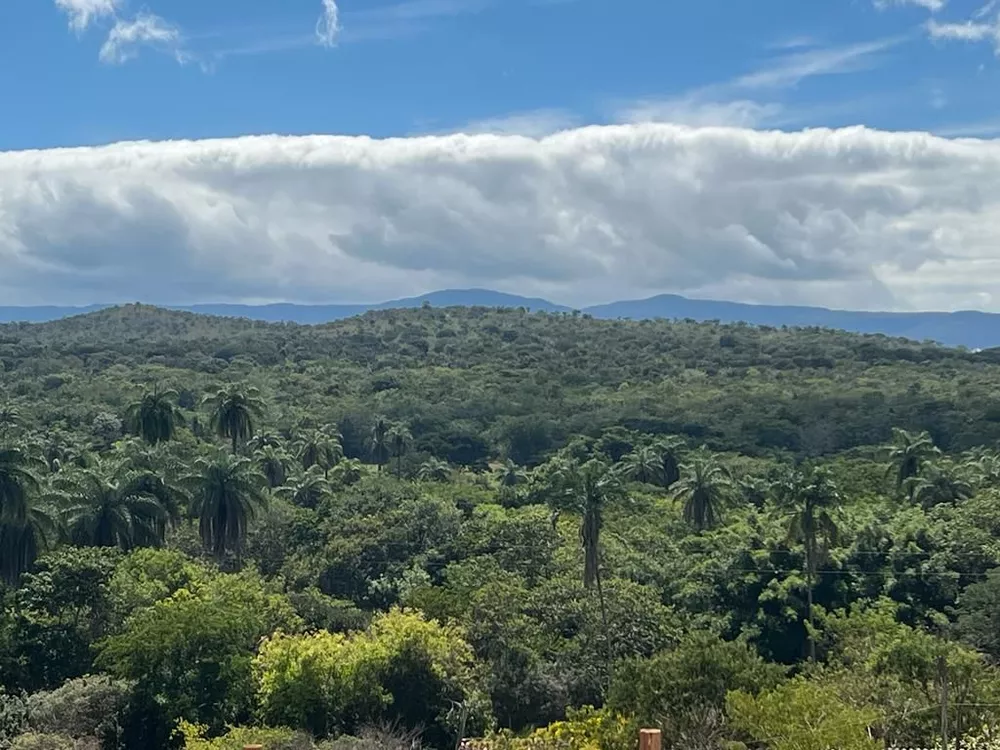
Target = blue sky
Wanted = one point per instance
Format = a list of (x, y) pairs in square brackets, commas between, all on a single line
[(399, 68), (833, 152)]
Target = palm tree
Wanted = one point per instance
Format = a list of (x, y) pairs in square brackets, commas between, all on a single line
[(319, 448), (644, 464), (587, 490), (10, 417), (18, 483), (234, 411), (380, 442), (670, 449), (117, 506), (154, 417), (811, 501), (704, 488), (21, 542), (347, 472), (941, 482), (434, 470), (273, 464), (510, 476), (265, 439), (908, 454), (399, 442), (228, 493), (308, 490)]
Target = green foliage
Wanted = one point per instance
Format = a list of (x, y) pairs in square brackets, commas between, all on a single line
[(802, 715), (403, 668), (193, 650), (675, 688)]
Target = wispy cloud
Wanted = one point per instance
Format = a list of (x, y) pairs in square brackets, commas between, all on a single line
[(754, 99), (534, 124), (932, 5), (145, 30), (84, 12), (789, 70), (696, 110), (328, 25)]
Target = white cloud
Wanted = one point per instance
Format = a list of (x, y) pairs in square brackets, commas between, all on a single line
[(851, 217), (790, 70), (696, 110), (127, 37), (83, 12), (534, 124), (328, 26), (932, 5)]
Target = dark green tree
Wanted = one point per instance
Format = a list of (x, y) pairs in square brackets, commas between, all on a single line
[(704, 488), (811, 502), (908, 454), (380, 444), (234, 412), (154, 417), (399, 443), (117, 506), (228, 492)]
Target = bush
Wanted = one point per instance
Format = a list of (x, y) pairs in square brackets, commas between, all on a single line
[(239, 737), (84, 707)]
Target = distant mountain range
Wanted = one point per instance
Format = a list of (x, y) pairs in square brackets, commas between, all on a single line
[(975, 330)]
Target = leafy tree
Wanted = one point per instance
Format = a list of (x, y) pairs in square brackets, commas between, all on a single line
[(811, 502), (264, 439), (234, 412), (192, 651), (704, 488), (802, 715), (117, 506), (908, 454), (154, 417), (403, 669), (228, 493), (399, 443), (675, 688), (510, 476)]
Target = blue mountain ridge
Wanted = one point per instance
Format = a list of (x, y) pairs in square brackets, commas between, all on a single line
[(972, 329)]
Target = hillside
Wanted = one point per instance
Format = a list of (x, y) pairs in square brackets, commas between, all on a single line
[(413, 525), (970, 329), (478, 374)]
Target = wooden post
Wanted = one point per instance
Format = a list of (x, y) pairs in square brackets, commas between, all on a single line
[(253, 747), (649, 739)]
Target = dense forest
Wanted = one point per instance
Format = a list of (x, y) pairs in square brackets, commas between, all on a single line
[(526, 531)]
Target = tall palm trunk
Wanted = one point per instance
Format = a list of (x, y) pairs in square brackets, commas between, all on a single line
[(810, 583)]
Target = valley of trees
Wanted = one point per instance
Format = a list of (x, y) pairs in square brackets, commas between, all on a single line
[(537, 531)]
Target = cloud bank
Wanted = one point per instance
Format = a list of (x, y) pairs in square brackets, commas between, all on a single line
[(847, 218)]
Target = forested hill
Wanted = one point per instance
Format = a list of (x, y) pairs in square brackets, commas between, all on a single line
[(477, 382), (540, 530)]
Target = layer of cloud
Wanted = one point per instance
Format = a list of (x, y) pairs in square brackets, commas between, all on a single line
[(852, 217)]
